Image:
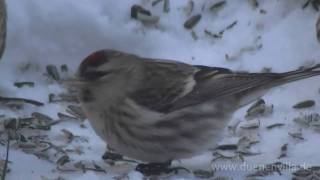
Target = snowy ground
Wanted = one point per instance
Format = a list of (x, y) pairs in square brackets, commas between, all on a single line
[(59, 31)]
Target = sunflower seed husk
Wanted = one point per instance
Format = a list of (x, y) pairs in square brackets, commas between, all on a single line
[(275, 125), (303, 173), (143, 15), (230, 26), (194, 35), (304, 104), (296, 134), (262, 11), (166, 6), (64, 68), (76, 111), (244, 145), (203, 174), (41, 117), (192, 21), (155, 2), (308, 120), (63, 160), (254, 3), (253, 124), (269, 169), (213, 35), (68, 135), (227, 147), (22, 84), (218, 6), (259, 109), (9, 100), (52, 71), (284, 149), (66, 117)]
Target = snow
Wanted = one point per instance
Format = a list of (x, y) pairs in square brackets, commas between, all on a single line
[(59, 31)]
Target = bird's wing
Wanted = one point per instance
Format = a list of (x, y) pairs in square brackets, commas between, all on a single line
[(170, 86)]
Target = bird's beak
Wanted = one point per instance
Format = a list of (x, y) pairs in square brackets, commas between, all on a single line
[(74, 82)]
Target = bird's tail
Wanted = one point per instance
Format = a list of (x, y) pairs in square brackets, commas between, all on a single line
[(296, 75)]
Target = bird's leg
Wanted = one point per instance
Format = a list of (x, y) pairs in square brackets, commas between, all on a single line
[(158, 168)]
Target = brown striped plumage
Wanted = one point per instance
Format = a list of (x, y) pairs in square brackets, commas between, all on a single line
[(159, 110)]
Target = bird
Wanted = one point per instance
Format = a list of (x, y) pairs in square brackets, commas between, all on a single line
[(158, 110), (3, 26)]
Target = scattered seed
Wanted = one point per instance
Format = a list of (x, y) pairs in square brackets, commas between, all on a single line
[(218, 6), (254, 3), (304, 104), (284, 149), (166, 6), (76, 111), (8, 100), (22, 84), (64, 68), (52, 71), (203, 174), (66, 117), (252, 124), (194, 35), (41, 117), (192, 21), (63, 160), (155, 2), (259, 109), (275, 125), (143, 15)]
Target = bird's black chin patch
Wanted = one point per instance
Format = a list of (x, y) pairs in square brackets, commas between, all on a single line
[(94, 75)]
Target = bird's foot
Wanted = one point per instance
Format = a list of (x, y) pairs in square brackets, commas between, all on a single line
[(112, 156), (158, 168)]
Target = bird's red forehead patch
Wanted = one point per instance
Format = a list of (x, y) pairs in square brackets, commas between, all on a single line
[(95, 59)]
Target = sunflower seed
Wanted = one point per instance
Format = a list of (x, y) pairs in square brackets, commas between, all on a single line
[(218, 6), (192, 21), (63, 160), (254, 3), (66, 117), (284, 149), (304, 104), (76, 111), (143, 15), (8, 100), (41, 117), (155, 2), (203, 174), (253, 124), (52, 71), (21, 84), (166, 6), (259, 109), (64, 68), (275, 125)]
